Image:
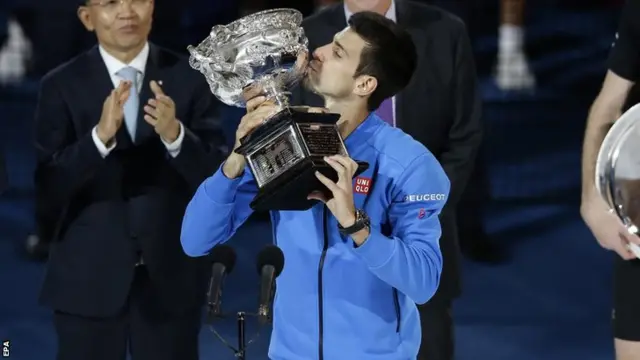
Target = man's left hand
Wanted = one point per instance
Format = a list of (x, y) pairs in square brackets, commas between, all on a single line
[(161, 114), (341, 205)]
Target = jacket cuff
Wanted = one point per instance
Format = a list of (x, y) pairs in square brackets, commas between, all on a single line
[(220, 189), (102, 149), (174, 148), (377, 250)]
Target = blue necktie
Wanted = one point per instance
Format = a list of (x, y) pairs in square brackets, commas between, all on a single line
[(133, 102), (385, 111)]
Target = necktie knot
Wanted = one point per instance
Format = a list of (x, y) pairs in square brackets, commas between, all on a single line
[(129, 73)]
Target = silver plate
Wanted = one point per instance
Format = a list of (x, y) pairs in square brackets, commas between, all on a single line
[(618, 169), (280, 153)]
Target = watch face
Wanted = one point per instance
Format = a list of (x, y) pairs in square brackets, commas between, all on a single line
[(362, 220)]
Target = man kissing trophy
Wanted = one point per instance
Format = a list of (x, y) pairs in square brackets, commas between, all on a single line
[(268, 51)]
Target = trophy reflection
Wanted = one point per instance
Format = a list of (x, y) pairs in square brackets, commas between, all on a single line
[(267, 52)]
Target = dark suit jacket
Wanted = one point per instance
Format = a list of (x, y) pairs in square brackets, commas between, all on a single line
[(4, 175), (440, 107), (109, 210)]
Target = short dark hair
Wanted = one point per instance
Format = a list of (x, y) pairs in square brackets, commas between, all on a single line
[(389, 54)]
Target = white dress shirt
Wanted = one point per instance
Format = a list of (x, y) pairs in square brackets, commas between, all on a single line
[(391, 15), (139, 63)]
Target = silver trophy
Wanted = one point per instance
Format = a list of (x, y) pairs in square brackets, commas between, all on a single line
[(618, 171), (267, 52)]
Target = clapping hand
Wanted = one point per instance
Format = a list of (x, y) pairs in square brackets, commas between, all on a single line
[(113, 112), (161, 114)]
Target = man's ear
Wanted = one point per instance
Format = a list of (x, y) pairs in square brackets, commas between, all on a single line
[(85, 18), (365, 85)]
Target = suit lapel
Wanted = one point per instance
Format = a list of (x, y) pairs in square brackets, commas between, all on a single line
[(336, 17), (152, 72), (99, 78)]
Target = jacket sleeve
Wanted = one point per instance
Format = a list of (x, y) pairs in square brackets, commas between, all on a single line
[(410, 260), (65, 162), (219, 207), (204, 147), (465, 134)]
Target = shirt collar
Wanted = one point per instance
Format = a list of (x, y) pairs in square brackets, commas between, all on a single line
[(114, 65), (391, 13)]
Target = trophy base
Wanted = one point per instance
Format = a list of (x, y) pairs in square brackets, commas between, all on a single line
[(285, 152), (291, 192)]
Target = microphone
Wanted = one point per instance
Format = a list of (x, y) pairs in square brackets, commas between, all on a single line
[(270, 263), (223, 258)]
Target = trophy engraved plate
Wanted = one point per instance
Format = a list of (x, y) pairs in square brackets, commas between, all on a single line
[(276, 157), (618, 171), (268, 51), (321, 139)]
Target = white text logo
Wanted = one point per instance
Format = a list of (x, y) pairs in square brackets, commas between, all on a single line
[(424, 197)]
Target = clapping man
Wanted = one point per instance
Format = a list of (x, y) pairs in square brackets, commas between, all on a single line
[(125, 133)]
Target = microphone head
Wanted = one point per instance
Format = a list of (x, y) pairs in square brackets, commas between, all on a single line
[(271, 255), (225, 255)]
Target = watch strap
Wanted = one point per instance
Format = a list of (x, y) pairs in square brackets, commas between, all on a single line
[(362, 221)]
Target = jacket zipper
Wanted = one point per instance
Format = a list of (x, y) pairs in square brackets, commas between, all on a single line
[(323, 255), (325, 246), (396, 306)]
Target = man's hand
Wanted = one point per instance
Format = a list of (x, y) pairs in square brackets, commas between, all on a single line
[(234, 165), (113, 112), (161, 114), (254, 97), (607, 228), (341, 205), (259, 109), (256, 115)]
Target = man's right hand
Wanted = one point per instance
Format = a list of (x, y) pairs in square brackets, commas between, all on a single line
[(258, 109), (113, 112), (607, 228)]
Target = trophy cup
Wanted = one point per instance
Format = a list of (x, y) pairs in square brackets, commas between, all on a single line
[(268, 51), (618, 171)]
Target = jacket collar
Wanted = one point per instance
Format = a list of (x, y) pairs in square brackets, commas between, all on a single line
[(365, 131)]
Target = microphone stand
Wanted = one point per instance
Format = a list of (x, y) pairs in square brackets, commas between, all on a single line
[(241, 351), (242, 345)]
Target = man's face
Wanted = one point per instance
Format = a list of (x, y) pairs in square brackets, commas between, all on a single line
[(332, 67), (120, 24)]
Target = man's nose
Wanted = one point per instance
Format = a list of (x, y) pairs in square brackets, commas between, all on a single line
[(318, 54), (126, 9)]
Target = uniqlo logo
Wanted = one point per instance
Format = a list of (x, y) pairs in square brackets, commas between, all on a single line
[(362, 185)]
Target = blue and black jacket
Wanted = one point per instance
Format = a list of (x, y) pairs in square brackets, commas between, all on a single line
[(335, 301)]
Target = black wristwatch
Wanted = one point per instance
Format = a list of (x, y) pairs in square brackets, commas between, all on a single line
[(362, 221)]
